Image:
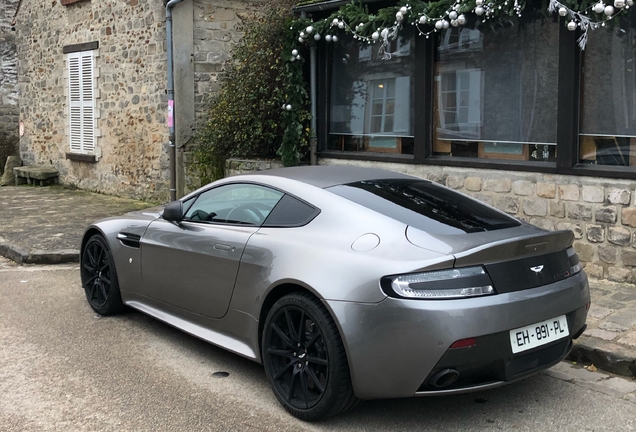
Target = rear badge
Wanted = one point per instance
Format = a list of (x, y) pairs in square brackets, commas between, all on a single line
[(536, 269)]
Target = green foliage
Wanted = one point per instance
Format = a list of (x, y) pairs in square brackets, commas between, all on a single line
[(247, 118)]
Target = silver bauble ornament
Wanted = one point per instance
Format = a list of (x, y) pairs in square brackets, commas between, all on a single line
[(609, 10), (563, 11), (288, 107), (629, 2), (599, 7), (334, 38), (619, 4), (461, 20), (298, 57), (293, 58), (328, 38), (317, 37), (404, 10), (452, 15), (375, 35), (572, 25), (301, 40), (295, 52), (445, 24), (439, 25), (384, 33), (340, 24), (309, 29), (423, 19), (398, 16), (479, 11), (454, 23), (479, 2)]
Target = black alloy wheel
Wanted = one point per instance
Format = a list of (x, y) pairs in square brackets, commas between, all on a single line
[(305, 360), (99, 278)]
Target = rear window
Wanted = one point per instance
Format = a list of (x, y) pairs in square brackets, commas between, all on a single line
[(425, 206)]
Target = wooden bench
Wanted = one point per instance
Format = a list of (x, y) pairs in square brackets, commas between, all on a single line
[(44, 174)]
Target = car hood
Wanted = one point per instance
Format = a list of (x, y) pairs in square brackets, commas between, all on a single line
[(149, 213), (492, 246)]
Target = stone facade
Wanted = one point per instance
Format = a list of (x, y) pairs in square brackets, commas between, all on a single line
[(132, 144), (600, 212), (9, 111)]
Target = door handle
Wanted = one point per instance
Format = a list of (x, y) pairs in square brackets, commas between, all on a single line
[(222, 247)]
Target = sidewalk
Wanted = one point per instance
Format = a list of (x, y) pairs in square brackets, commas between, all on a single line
[(44, 225)]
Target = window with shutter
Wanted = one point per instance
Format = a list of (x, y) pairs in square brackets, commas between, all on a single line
[(81, 95)]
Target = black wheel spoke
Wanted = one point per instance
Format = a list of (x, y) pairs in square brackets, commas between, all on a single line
[(316, 381), (304, 388), (316, 360), (279, 352), (301, 327), (283, 336), (103, 291), (89, 268), (313, 339), (283, 370), (290, 392), (90, 280), (290, 326), (105, 280)]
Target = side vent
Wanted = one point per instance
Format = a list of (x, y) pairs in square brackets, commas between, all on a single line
[(130, 240)]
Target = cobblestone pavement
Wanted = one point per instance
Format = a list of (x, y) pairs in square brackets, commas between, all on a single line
[(45, 224)]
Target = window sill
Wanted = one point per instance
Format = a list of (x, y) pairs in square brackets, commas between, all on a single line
[(69, 2), (81, 157), (367, 156)]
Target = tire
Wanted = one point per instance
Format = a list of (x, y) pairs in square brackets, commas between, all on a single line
[(305, 360), (99, 277)]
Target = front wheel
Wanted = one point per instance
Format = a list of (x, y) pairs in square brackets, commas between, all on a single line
[(99, 278), (305, 360)]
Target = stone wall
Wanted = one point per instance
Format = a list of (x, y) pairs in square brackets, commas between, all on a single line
[(131, 69), (218, 27), (600, 212)]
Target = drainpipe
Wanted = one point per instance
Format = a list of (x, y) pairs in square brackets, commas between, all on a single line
[(313, 140), (171, 138)]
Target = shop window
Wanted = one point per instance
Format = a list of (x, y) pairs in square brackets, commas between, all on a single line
[(496, 93), (608, 101), (372, 98)]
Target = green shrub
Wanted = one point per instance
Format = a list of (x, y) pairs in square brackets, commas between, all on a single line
[(247, 118)]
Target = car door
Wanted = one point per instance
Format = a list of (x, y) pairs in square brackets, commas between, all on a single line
[(193, 264)]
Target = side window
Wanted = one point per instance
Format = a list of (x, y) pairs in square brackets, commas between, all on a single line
[(246, 204), (291, 212)]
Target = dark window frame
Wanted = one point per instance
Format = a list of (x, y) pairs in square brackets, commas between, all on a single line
[(568, 116)]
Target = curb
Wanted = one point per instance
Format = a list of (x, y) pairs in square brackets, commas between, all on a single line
[(36, 256), (606, 355)]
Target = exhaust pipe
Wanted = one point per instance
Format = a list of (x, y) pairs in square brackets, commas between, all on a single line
[(443, 378)]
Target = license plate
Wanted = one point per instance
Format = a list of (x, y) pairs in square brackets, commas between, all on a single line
[(541, 333)]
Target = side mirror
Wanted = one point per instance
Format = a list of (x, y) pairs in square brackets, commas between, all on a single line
[(173, 212)]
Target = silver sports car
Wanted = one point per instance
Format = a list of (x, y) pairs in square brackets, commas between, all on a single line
[(347, 283)]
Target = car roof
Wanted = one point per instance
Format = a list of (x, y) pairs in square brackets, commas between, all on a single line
[(324, 176)]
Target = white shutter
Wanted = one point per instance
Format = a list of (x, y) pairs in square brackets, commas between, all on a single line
[(81, 94), (402, 122)]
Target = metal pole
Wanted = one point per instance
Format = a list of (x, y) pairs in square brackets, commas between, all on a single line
[(171, 139), (313, 141)]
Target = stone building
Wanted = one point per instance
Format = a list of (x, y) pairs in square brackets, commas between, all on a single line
[(92, 79), (8, 82)]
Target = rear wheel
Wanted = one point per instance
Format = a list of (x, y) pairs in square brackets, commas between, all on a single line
[(99, 277), (305, 359)]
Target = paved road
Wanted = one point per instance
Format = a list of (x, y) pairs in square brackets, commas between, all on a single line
[(64, 368)]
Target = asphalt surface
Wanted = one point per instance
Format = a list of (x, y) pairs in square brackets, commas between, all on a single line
[(64, 368), (44, 225)]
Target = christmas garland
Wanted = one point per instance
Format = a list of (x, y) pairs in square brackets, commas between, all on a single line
[(428, 17)]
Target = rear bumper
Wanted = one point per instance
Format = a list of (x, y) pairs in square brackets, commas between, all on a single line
[(395, 346)]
